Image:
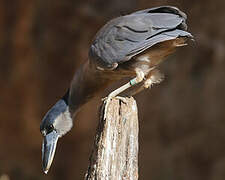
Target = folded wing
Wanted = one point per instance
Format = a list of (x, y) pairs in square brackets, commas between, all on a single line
[(126, 36)]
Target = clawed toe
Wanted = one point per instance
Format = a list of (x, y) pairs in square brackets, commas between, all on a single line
[(109, 98)]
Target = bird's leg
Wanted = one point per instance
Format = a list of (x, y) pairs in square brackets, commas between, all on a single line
[(139, 78), (154, 77)]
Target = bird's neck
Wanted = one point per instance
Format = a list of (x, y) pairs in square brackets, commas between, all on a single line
[(86, 83)]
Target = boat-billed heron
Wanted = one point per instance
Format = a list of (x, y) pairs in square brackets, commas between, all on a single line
[(128, 46)]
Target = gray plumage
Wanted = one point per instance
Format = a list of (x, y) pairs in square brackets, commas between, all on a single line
[(143, 40), (57, 118), (126, 36)]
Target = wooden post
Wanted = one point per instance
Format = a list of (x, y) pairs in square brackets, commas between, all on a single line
[(115, 152)]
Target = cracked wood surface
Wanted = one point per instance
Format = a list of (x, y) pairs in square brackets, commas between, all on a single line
[(115, 151)]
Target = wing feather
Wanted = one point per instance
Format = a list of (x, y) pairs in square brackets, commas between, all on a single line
[(126, 36)]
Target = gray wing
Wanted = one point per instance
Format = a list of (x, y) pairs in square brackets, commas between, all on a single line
[(163, 9), (126, 36)]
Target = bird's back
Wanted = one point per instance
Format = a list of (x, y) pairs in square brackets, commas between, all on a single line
[(127, 36)]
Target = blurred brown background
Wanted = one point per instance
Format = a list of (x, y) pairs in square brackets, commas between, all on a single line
[(182, 120)]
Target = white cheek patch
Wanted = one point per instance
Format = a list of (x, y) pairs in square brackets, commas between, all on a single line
[(63, 123)]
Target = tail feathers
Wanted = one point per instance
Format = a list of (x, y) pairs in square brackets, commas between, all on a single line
[(181, 37), (178, 33), (162, 37)]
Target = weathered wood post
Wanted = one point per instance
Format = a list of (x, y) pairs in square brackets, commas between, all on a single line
[(115, 151)]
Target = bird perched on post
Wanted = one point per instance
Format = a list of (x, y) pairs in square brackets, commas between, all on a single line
[(128, 46)]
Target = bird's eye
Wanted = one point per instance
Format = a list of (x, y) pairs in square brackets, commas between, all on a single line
[(50, 128)]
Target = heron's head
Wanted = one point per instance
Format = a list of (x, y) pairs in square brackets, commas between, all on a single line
[(56, 123)]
